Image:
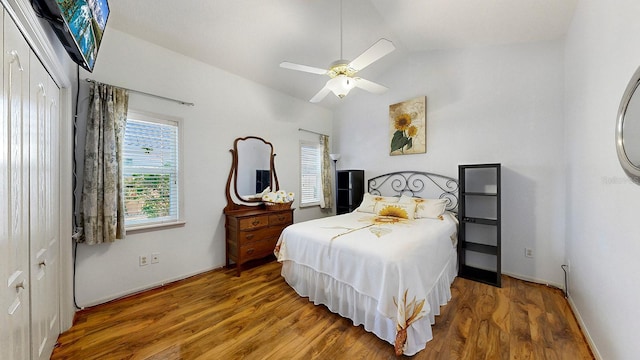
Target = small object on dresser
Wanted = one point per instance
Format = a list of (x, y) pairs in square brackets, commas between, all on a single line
[(279, 200), (278, 206)]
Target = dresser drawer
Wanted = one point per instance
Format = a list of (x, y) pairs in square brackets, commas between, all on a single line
[(246, 237), (254, 222), (258, 249), (285, 218)]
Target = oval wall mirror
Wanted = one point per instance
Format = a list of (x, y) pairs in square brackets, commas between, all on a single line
[(628, 129)]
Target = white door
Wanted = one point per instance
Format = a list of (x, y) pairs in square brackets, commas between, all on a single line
[(14, 195), (44, 217)]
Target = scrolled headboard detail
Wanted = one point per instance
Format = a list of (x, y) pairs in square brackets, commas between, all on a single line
[(418, 184)]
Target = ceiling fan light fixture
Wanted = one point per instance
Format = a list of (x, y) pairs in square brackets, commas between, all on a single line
[(340, 67), (341, 85), (342, 72)]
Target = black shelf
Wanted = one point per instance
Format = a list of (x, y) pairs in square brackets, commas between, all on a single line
[(477, 220), (349, 190), (479, 194), (480, 228), (480, 275), (481, 248)]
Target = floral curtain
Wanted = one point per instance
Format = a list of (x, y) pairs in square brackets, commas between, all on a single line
[(102, 203), (325, 173)]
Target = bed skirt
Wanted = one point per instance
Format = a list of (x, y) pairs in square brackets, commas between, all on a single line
[(342, 299)]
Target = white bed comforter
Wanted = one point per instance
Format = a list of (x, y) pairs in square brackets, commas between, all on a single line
[(397, 263)]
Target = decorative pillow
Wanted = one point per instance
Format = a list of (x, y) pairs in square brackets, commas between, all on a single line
[(369, 201), (395, 209), (426, 208)]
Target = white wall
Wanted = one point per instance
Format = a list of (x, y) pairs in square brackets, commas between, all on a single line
[(497, 104), (602, 207), (227, 107)]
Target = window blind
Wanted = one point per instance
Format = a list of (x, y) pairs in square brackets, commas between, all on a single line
[(311, 190), (150, 171)]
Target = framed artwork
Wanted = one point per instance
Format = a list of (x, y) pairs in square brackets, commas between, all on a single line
[(408, 127)]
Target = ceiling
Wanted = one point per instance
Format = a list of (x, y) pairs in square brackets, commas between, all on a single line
[(251, 37)]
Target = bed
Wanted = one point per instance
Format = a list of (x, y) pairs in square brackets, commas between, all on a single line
[(389, 265)]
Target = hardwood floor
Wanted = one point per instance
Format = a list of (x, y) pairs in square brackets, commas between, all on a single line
[(217, 315)]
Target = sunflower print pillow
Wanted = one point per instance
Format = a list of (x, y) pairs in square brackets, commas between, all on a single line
[(403, 211), (369, 202), (426, 208)]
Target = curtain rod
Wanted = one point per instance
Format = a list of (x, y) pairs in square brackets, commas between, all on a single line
[(313, 132), (148, 94)]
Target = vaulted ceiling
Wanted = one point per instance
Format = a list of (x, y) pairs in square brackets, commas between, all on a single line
[(251, 37)]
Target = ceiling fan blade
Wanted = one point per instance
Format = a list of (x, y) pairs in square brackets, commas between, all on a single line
[(305, 68), (320, 95), (369, 86), (375, 52)]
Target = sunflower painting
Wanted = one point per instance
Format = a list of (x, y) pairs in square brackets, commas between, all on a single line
[(408, 121)]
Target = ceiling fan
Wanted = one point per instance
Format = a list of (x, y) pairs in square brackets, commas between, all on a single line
[(342, 72)]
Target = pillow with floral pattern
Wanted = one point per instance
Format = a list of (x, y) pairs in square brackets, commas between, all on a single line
[(426, 208), (395, 209), (369, 201)]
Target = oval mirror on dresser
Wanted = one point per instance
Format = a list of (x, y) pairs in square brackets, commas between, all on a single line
[(252, 229), (252, 167), (253, 172), (628, 129)]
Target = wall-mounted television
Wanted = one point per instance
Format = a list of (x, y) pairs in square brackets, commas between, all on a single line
[(79, 24)]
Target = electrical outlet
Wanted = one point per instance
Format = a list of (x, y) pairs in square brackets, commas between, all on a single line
[(144, 260), (155, 258), (528, 252)]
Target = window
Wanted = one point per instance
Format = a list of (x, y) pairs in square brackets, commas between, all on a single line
[(310, 173), (151, 170)]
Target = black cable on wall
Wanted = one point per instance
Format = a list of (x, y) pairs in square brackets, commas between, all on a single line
[(74, 237)]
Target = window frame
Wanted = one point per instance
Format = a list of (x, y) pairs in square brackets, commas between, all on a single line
[(163, 120), (319, 147)]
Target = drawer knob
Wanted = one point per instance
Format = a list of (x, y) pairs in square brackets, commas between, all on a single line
[(249, 236), (281, 218), (249, 251), (255, 222)]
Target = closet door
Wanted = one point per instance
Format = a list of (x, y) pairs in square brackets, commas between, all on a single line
[(14, 195), (52, 298), (44, 217)]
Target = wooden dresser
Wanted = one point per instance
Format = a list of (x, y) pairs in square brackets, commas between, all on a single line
[(252, 234)]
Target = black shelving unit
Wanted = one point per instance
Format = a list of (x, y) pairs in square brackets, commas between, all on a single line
[(349, 190), (479, 243)]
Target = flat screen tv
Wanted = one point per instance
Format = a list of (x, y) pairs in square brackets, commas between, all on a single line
[(79, 24)]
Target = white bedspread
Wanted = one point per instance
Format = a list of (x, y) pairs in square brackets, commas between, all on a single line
[(396, 264)]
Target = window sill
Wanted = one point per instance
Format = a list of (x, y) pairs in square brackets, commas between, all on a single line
[(309, 205), (153, 227)]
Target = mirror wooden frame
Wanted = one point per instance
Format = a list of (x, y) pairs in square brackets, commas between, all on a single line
[(235, 201)]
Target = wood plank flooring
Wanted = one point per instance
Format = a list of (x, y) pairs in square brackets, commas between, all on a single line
[(217, 315)]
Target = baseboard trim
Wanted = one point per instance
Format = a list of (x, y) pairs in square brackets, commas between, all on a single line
[(534, 280), (576, 313), (584, 329), (148, 287)]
